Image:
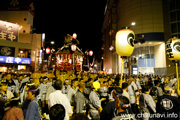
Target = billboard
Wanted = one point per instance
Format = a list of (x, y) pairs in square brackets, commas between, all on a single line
[(7, 51), (15, 60), (9, 31)]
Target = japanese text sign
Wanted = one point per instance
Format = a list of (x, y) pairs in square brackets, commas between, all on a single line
[(9, 31), (15, 60)]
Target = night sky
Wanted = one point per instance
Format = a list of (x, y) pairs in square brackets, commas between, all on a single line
[(59, 18)]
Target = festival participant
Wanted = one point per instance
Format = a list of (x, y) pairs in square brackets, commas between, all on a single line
[(95, 102), (66, 87), (14, 113), (121, 112), (33, 110), (80, 99), (4, 92), (146, 103), (168, 105), (43, 90), (103, 91), (11, 85), (5, 96), (125, 88), (133, 95), (72, 91), (57, 97), (108, 111)]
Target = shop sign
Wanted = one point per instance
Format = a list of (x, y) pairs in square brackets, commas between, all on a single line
[(7, 51), (15, 60), (9, 31)]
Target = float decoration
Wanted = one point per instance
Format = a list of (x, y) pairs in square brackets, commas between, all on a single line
[(173, 53), (124, 45)]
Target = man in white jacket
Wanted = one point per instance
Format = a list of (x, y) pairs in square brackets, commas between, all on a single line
[(57, 97)]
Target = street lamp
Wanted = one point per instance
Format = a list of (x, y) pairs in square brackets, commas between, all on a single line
[(52, 42)]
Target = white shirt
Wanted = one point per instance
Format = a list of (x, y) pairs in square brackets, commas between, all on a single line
[(125, 93), (58, 98)]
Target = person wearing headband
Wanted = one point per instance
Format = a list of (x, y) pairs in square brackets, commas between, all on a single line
[(33, 110), (95, 102), (146, 103), (168, 105), (121, 106)]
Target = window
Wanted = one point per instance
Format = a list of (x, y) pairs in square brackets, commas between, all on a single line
[(179, 27), (178, 15), (177, 4), (173, 16), (172, 5), (174, 28)]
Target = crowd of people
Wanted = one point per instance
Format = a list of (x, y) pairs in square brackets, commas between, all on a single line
[(87, 96)]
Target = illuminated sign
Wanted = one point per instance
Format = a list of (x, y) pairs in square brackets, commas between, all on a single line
[(9, 31), (15, 60)]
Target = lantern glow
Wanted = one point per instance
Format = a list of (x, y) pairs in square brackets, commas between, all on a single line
[(73, 47), (125, 42), (173, 49), (74, 36), (90, 53), (48, 51)]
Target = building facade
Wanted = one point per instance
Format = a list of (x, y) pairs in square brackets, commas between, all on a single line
[(156, 22), (27, 45)]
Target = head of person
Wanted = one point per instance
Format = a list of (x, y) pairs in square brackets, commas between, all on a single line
[(66, 82), (33, 91), (124, 86), (166, 80), (58, 84), (82, 86), (14, 102), (3, 86), (79, 116), (74, 83), (41, 79), (167, 90), (96, 85), (109, 82), (57, 112), (105, 83), (117, 92), (81, 81), (20, 78), (157, 83), (9, 76), (146, 89), (122, 103)]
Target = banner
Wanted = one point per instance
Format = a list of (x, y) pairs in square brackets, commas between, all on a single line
[(7, 51), (9, 31)]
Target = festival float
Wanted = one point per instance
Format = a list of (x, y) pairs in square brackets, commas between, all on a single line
[(69, 57)]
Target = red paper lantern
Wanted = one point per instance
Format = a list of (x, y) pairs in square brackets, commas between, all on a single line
[(48, 51), (90, 53)]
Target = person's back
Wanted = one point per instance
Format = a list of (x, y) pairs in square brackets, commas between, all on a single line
[(169, 105), (58, 98), (14, 113)]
